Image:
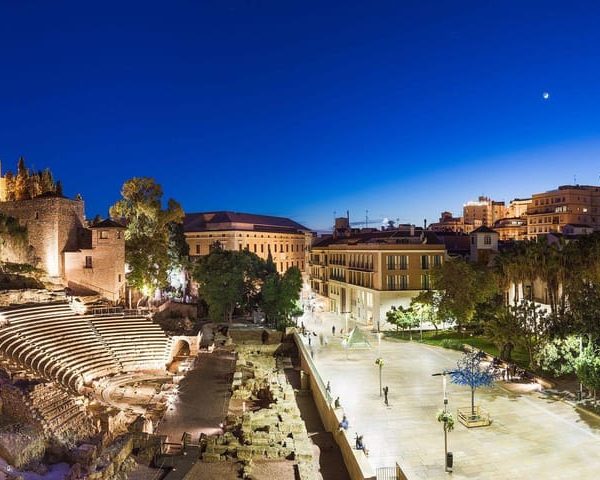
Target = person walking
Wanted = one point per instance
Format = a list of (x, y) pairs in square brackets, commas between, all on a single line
[(333, 330), (385, 395)]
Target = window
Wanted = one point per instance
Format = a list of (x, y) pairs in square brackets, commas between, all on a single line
[(437, 260), (473, 240), (37, 215), (119, 278), (88, 262), (262, 248), (487, 240), (197, 249), (275, 247), (255, 248), (424, 262), (425, 285), (118, 234), (403, 262), (103, 234)]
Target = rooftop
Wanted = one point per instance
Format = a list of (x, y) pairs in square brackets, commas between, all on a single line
[(227, 220), (378, 237), (483, 229)]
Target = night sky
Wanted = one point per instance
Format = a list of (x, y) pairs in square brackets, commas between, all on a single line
[(303, 108)]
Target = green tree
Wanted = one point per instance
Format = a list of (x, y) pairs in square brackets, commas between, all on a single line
[(147, 235), (500, 326), (558, 356), (532, 328), (462, 286), (178, 249), (426, 304), (279, 296), (228, 280), (403, 318), (587, 367)]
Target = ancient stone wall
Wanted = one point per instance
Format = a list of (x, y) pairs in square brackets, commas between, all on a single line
[(52, 225), (356, 461), (105, 272)]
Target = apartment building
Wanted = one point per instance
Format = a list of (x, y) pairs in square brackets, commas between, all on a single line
[(364, 274), (568, 204), (484, 212)]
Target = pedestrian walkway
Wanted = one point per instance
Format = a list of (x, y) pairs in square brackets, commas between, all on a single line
[(203, 397), (531, 435)]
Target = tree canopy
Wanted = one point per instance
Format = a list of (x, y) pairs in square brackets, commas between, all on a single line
[(27, 184), (230, 280), (148, 235), (462, 287)]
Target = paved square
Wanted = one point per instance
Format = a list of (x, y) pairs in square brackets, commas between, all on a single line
[(531, 436)]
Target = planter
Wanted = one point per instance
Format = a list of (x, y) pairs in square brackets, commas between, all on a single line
[(474, 418)]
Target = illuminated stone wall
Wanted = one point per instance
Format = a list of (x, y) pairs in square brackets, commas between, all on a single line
[(52, 225), (61, 241), (106, 272)]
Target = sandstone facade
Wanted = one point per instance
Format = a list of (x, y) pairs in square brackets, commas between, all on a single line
[(92, 258)]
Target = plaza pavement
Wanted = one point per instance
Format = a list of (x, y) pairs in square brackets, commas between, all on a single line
[(531, 437)]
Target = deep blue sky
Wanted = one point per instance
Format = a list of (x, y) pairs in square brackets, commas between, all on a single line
[(300, 108)]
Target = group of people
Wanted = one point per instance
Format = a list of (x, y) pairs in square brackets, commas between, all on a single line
[(359, 442)]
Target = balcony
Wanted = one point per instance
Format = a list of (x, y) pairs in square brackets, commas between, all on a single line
[(361, 267)]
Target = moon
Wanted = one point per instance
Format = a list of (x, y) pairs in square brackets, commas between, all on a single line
[(545, 95)]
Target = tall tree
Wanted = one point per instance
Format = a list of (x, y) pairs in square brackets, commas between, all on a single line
[(462, 287), (22, 181), (279, 296), (532, 327), (147, 235), (228, 280)]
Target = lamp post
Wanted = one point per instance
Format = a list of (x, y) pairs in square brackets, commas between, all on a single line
[(447, 468), (379, 363)]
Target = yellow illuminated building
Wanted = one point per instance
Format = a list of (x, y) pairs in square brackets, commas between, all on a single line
[(364, 274), (286, 240)]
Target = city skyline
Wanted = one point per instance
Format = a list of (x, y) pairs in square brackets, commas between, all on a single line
[(302, 110)]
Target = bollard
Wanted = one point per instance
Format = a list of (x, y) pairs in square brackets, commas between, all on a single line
[(449, 461)]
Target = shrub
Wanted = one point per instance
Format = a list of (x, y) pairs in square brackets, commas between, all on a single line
[(452, 344)]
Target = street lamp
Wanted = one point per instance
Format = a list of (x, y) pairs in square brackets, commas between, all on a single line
[(447, 461)]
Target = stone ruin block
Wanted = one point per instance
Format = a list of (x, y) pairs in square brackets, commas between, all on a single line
[(306, 471), (272, 452), (244, 453), (211, 457)]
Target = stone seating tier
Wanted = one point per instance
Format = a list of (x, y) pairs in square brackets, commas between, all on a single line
[(75, 349)]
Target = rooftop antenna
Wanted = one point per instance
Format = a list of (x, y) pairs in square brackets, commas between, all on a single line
[(366, 219)]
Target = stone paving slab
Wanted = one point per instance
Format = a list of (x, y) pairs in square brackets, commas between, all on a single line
[(531, 436)]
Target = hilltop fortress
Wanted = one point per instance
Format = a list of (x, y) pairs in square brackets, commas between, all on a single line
[(56, 237)]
